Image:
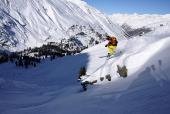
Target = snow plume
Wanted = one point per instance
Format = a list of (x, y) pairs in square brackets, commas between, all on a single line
[(41, 21)]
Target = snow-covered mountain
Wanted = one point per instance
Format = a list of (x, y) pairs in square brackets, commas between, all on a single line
[(52, 88), (30, 23), (139, 20)]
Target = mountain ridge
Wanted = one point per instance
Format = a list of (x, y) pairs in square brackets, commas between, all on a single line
[(139, 20), (50, 20)]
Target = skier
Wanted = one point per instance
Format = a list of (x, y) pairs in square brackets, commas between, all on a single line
[(112, 44)]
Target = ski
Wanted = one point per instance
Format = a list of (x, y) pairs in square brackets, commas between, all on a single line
[(111, 56)]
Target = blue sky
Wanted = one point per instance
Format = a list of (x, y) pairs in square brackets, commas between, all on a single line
[(131, 6)]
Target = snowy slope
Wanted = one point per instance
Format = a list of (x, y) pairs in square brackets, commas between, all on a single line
[(52, 88), (42, 21), (137, 20)]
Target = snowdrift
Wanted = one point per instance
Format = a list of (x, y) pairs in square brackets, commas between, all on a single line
[(52, 86)]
